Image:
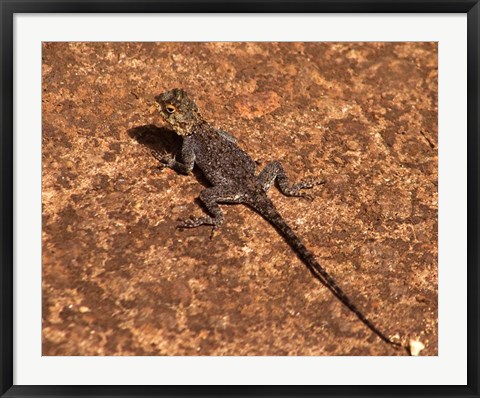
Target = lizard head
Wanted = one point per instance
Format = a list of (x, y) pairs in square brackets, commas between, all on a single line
[(179, 110)]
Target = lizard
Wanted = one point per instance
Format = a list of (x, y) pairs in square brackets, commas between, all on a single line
[(233, 178)]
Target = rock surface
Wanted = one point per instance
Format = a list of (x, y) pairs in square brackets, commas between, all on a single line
[(120, 279)]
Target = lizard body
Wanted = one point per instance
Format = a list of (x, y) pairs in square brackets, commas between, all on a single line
[(232, 173)]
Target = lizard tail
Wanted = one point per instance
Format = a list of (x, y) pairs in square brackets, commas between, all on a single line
[(265, 207)]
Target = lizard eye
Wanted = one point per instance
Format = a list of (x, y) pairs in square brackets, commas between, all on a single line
[(170, 108)]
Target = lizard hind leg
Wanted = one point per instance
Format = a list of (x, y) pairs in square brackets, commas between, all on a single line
[(274, 171), (211, 197)]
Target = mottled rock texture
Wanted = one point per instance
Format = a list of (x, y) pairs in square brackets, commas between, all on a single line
[(120, 279)]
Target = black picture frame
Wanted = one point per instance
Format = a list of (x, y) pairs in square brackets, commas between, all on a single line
[(9, 8)]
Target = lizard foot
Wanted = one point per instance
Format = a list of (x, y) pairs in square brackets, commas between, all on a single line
[(164, 160), (195, 222), (309, 183), (317, 181), (306, 184)]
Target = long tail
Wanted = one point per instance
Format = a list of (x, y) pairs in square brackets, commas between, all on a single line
[(264, 206)]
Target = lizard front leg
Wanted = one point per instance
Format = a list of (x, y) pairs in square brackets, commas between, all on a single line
[(188, 158)]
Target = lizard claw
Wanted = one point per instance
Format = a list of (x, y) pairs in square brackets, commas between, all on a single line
[(307, 196), (188, 223), (311, 182), (305, 184), (318, 181), (194, 222), (214, 230), (164, 160)]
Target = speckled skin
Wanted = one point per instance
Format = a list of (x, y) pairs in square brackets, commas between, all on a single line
[(231, 171)]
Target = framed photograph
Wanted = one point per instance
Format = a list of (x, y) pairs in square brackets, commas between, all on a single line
[(239, 198)]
